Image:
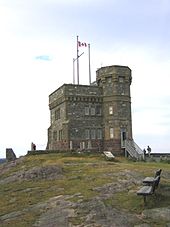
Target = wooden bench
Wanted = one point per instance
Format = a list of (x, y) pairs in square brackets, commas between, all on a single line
[(150, 180), (149, 189), (108, 155)]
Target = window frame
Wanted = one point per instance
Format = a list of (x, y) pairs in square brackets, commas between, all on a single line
[(87, 134), (92, 111), (57, 114), (55, 135), (93, 134), (99, 133), (87, 110), (98, 110), (110, 110), (111, 132), (60, 135)]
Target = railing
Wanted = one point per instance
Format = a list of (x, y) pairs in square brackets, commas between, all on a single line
[(133, 150), (139, 151)]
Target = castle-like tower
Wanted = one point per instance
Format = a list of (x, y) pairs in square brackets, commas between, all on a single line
[(95, 117), (117, 122)]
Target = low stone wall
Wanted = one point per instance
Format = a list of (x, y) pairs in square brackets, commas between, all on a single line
[(158, 157), (39, 152)]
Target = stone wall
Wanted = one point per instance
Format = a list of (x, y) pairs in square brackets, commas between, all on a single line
[(10, 155), (72, 101)]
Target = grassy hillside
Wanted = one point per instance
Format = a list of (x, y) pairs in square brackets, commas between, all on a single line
[(79, 185)]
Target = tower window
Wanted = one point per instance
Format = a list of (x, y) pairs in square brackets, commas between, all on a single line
[(110, 110), (86, 110), (121, 79), (109, 79), (111, 133), (98, 110), (57, 114), (55, 135), (60, 134), (99, 134), (92, 111), (87, 134), (93, 134)]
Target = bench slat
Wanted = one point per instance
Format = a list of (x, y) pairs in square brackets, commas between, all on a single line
[(149, 180), (145, 190)]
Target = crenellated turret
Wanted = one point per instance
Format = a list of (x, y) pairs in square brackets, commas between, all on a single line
[(115, 82)]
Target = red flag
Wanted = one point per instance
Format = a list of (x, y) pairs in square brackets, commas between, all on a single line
[(80, 44)]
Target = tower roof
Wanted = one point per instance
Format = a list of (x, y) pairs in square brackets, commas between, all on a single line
[(114, 67)]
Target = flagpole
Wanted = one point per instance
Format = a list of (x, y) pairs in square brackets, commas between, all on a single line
[(77, 60), (89, 64), (74, 70)]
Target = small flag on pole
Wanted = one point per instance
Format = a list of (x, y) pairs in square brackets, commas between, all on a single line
[(82, 44), (79, 44)]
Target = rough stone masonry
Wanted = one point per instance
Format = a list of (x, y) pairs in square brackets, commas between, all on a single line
[(94, 117)]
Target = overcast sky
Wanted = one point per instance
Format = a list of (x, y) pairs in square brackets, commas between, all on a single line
[(38, 43)]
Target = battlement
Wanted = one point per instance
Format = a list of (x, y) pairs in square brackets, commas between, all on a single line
[(115, 72)]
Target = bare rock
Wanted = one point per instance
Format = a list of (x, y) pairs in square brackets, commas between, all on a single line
[(59, 210), (50, 172), (162, 213), (44, 172)]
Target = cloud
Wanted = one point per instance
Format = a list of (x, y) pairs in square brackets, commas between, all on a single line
[(43, 58)]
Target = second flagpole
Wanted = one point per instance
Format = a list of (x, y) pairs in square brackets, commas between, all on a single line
[(89, 65), (77, 59)]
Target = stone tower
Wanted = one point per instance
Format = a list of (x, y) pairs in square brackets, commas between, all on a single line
[(94, 117), (115, 82)]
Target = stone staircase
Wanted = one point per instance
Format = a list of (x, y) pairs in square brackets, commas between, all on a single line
[(133, 150)]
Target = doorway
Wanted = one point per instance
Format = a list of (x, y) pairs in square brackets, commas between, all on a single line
[(123, 136)]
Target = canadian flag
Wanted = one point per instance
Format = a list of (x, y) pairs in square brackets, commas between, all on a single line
[(80, 44)]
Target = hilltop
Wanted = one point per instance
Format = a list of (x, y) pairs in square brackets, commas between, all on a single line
[(68, 189)]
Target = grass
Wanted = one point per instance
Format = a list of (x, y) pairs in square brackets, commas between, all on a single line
[(82, 173)]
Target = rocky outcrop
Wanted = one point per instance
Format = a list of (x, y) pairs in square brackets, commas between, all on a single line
[(49, 172), (10, 155), (158, 213), (61, 208), (58, 210)]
